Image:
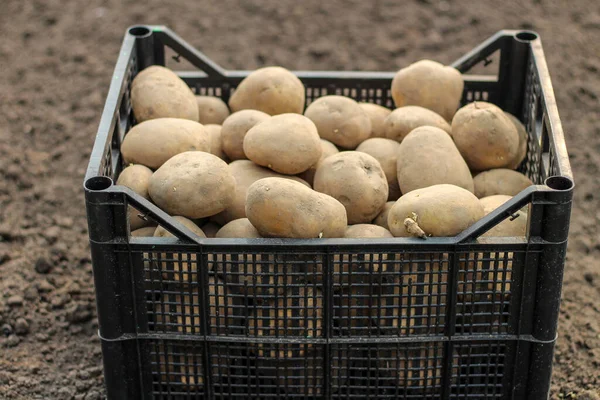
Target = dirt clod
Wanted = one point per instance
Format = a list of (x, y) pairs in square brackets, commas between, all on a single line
[(21, 326), (42, 266)]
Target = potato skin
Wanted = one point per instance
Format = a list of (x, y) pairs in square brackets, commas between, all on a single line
[(403, 120), (210, 229), (286, 143), (340, 120), (157, 92), (214, 135), (508, 227), (441, 210), (283, 208), (234, 130), (245, 173), (355, 179), (386, 152), (382, 218), (377, 114), (238, 228), (193, 184), (429, 84), (428, 156), (211, 110), (162, 232), (272, 90), (485, 136), (136, 177), (147, 231), (500, 181), (367, 231), (327, 149), (523, 136), (153, 142)]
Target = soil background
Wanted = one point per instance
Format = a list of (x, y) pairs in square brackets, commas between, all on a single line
[(56, 61)]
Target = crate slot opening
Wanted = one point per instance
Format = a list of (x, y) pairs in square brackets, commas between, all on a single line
[(561, 183)]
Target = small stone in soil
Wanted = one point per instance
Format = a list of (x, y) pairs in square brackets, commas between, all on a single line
[(78, 313), (93, 395), (21, 326), (31, 293), (42, 266), (14, 301), (6, 329), (12, 341), (45, 286), (41, 337)]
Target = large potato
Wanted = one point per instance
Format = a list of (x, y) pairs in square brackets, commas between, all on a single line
[(157, 92), (428, 156), (386, 152), (485, 136), (510, 226), (377, 114), (327, 149), (216, 147), (429, 84), (210, 229), (404, 119), (273, 90), (522, 132), (439, 210), (136, 178), (382, 218), (340, 120), (367, 231), (211, 110), (286, 143), (246, 173), (238, 228), (153, 142), (355, 179), (280, 207), (500, 181), (193, 184), (147, 231), (234, 130)]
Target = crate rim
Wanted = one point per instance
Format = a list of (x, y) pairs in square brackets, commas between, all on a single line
[(94, 182)]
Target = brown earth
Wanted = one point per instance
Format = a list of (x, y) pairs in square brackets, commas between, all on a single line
[(56, 60)]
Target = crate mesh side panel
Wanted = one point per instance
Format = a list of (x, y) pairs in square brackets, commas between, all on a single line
[(387, 371), (478, 370), (176, 368)]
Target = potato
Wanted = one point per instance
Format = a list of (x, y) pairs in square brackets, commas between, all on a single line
[(193, 184), (246, 173), (500, 181), (147, 231), (427, 157), (508, 227), (522, 132), (438, 210), (136, 178), (485, 136), (280, 207), (386, 152), (211, 110), (234, 130), (272, 90), (404, 119), (327, 149), (340, 120), (210, 229), (216, 147), (162, 232), (238, 228), (355, 179), (429, 84), (286, 143), (153, 142), (377, 114), (382, 218), (157, 92), (367, 231)]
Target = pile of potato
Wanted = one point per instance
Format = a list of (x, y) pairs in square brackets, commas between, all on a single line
[(267, 166)]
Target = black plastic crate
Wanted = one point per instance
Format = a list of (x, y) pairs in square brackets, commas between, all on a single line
[(401, 318)]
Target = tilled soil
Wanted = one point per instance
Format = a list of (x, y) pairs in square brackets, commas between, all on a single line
[(56, 61)]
